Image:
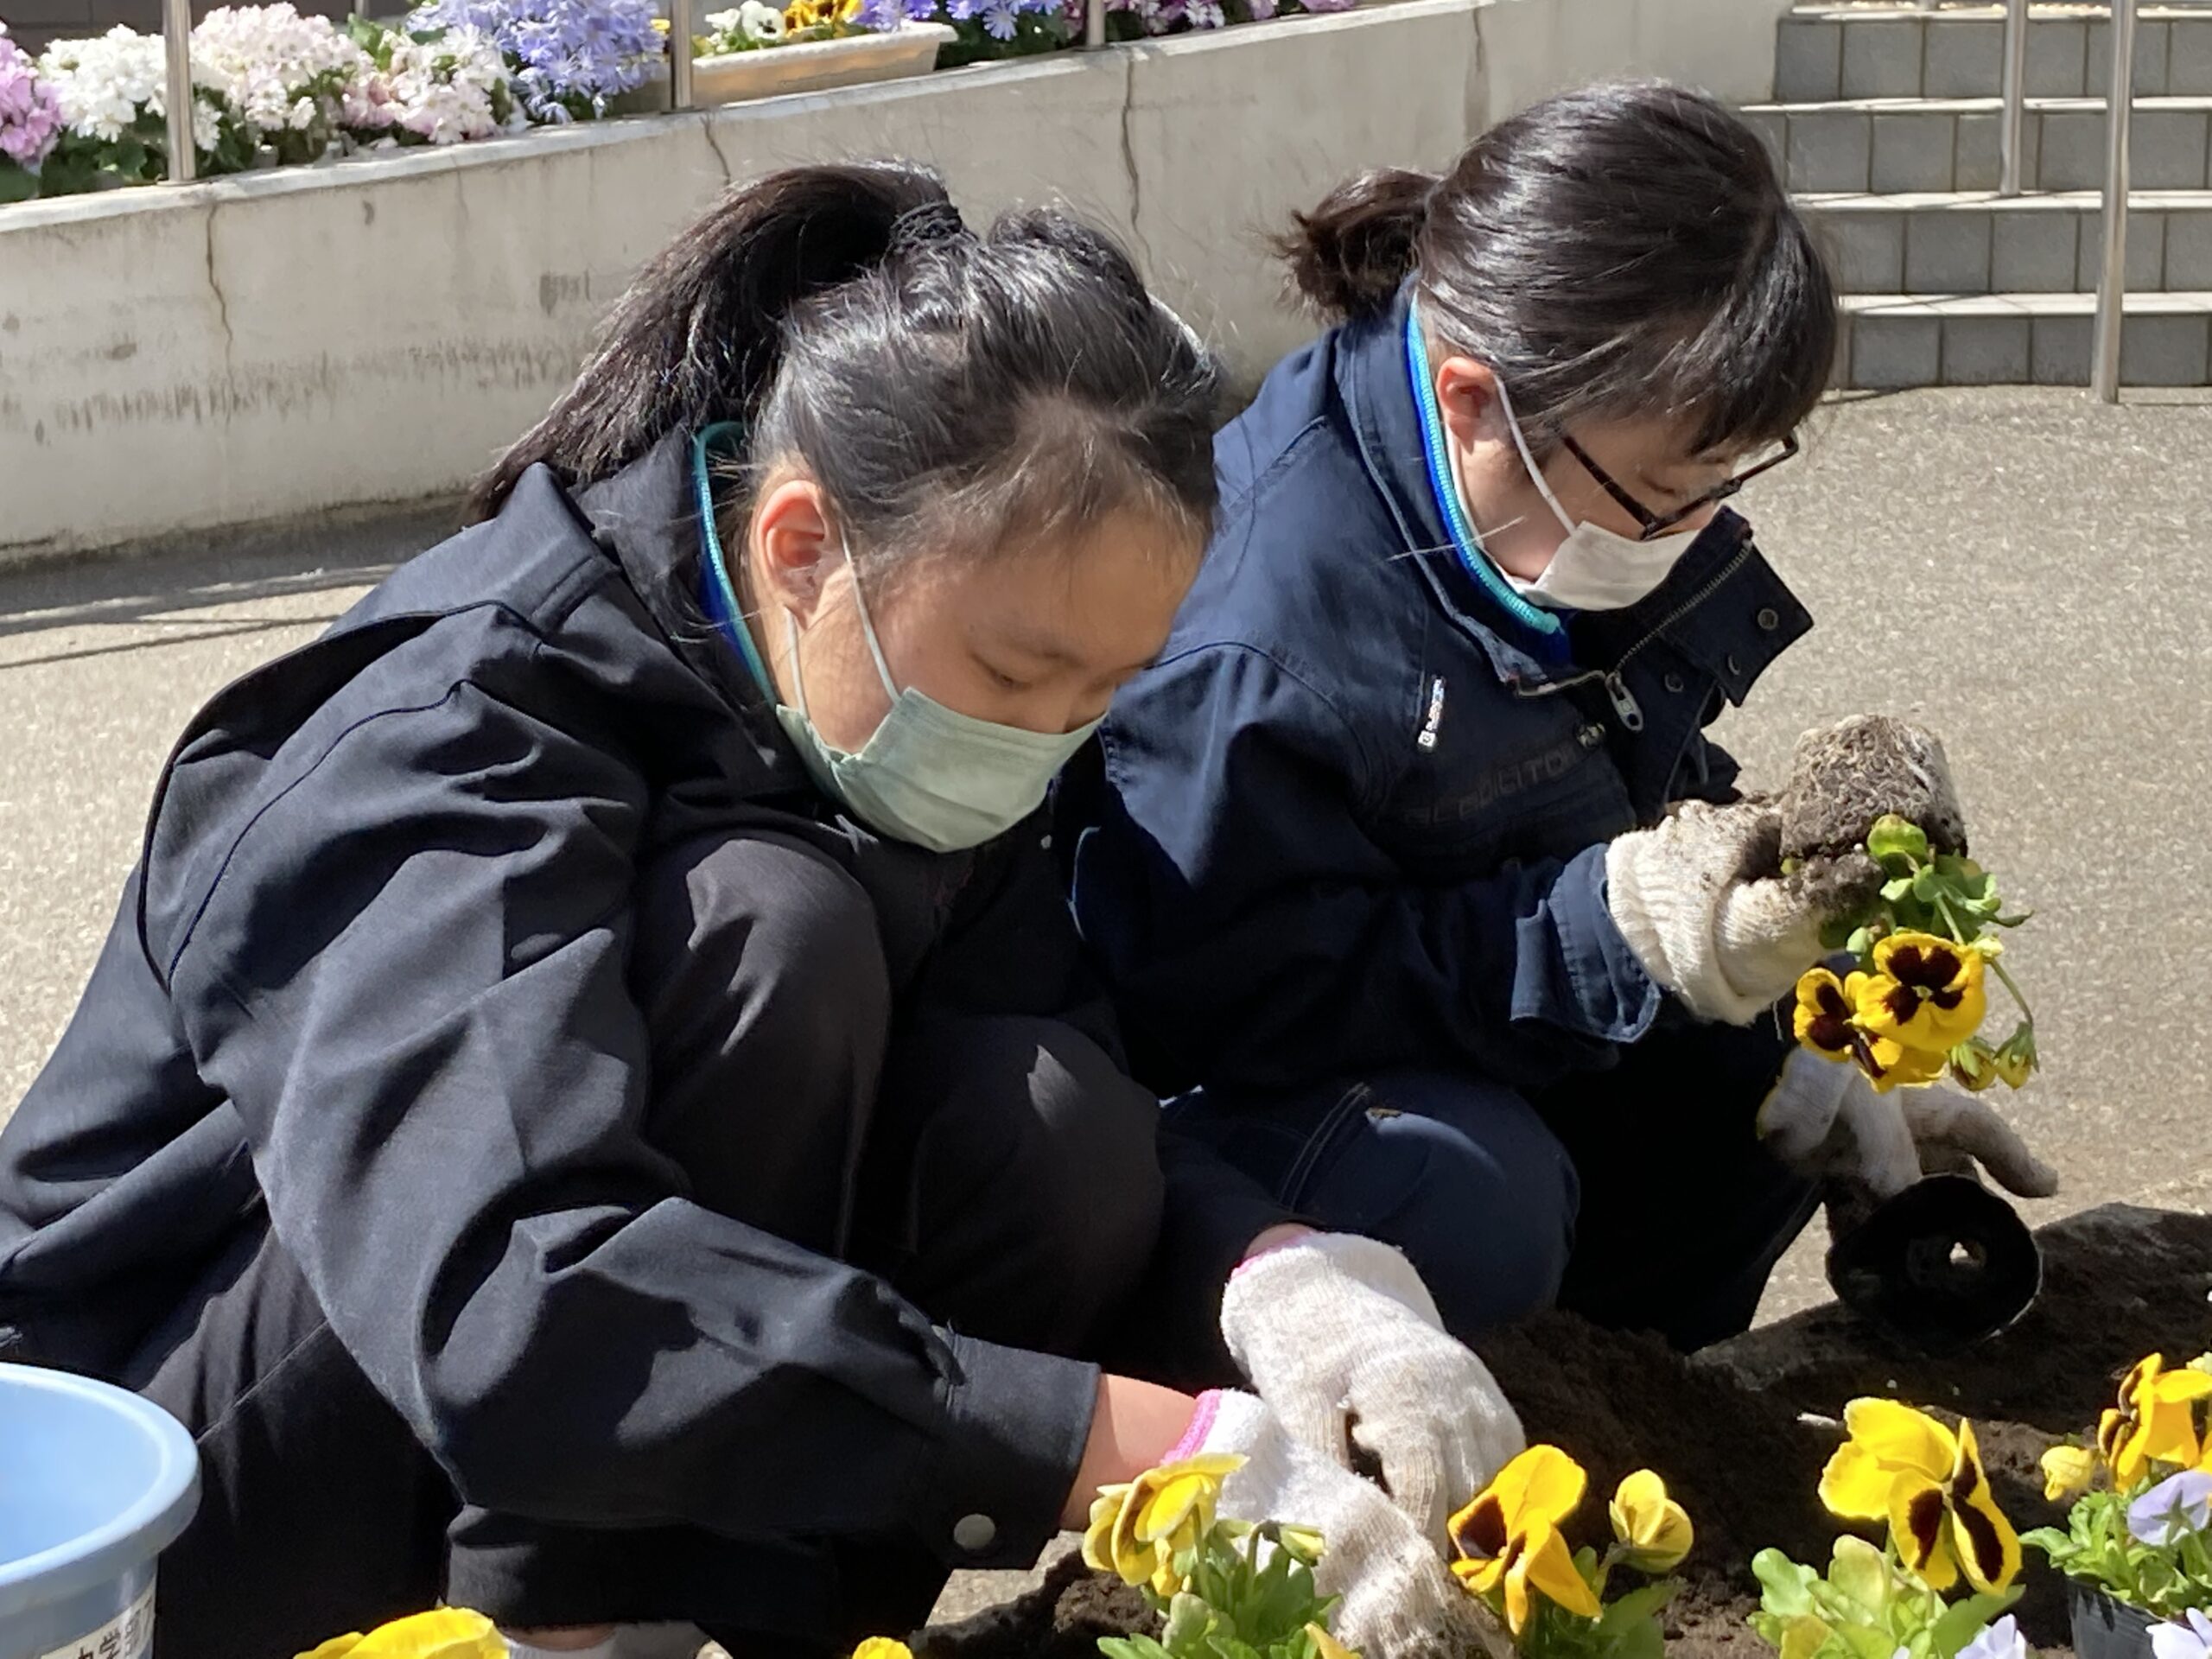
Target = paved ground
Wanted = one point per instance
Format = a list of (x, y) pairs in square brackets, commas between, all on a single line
[(2025, 570)]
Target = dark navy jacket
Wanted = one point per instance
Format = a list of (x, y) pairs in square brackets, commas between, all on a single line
[(1354, 818), (368, 986)]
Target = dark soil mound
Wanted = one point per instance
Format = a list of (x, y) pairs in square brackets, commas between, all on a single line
[(1730, 1432)]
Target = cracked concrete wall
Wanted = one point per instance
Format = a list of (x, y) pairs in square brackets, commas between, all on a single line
[(372, 332)]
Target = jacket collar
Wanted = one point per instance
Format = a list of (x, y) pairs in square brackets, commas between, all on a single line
[(648, 516), (1376, 384)]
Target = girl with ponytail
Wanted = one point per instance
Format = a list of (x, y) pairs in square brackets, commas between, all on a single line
[(591, 1108), (1415, 873)]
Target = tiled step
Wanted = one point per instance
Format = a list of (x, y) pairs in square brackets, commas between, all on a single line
[(1852, 146), (1826, 53), (1894, 340), (1977, 243)]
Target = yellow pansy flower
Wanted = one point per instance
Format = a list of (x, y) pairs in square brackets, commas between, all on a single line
[(1138, 1529), (883, 1647), (1326, 1646), (2067, 1471), (1925, 992), (1653, 1529), (1902, 1466), (1508, 1539), (1822, 1021), (2155, 1420), (444, 1633)]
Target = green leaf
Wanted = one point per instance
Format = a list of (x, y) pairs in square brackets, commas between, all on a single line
[(1967, 1619), (1835, 935), (1786, 1587), (1132, 1646), (1928, 886), (1896, 838), (1861, 942), (1898, 887)]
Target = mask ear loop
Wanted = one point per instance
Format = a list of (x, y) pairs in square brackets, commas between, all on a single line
[(868, 633), (1528, 459)]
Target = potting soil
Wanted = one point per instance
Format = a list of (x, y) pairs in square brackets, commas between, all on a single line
[(1741, 1432)]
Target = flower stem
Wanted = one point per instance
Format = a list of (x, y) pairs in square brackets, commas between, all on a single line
[(1996, 966)]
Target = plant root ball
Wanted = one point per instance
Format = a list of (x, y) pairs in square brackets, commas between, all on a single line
[(1844, 776)]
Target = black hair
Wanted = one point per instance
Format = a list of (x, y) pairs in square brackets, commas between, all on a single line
[(1621, 251), (945, 387)]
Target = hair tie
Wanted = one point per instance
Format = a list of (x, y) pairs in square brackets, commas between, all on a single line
[(931, 222)]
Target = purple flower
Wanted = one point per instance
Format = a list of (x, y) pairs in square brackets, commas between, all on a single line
[(1000, 19), (2180, 1641), (569, 56), (2173, 1510), (1261, 9), (30, 114)]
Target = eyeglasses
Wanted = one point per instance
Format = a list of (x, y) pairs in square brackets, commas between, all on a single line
[(1655, 525)]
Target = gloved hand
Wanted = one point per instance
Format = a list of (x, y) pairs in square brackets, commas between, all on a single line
[(1342, 1340), (1699, 900), (1824, 1120), (1399, 1600)]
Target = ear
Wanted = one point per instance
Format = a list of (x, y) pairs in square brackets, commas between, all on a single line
[(1466, 394), (793, 545)]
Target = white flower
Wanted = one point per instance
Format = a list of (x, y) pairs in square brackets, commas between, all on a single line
[(442, 92), (2002, 1640), (760, 21), (102, 85), (2180, 1641), (277, 70)]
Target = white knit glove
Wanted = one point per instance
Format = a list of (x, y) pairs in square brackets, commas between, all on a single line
[(1825, 1120), (1399, 1601), (1342, 1340), (1698, 899)]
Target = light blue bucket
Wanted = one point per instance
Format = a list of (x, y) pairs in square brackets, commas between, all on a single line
[(94, 1483)]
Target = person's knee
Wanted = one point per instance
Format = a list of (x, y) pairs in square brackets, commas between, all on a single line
[(1465, 1178), (1060, 1150), (759, 942)]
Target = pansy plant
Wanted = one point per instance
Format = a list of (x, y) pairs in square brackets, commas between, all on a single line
[(1911, 1009), (1512, 1554), (1221, 1586), (2141, 1529)]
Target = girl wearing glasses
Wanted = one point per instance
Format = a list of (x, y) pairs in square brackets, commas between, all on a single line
[(1421, 885)]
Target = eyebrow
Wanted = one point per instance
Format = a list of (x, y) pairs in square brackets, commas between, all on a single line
[(1043, 647)]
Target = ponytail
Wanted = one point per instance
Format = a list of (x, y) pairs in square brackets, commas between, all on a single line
[(697, 337), (1348, 256)]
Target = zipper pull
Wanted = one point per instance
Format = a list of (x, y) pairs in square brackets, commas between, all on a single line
[(1624, 703)]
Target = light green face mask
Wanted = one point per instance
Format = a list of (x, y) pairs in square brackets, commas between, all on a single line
[(928, 774)]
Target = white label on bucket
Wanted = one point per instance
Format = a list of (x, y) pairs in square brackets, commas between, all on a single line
[(129, 1635)]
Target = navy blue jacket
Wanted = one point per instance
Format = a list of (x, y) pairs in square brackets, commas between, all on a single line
[(368, 986), (1355, 817)]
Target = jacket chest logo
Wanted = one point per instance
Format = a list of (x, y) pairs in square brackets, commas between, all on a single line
[(1432, 722), (1498, 784)]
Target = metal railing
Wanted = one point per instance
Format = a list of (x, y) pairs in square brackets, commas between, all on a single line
[(2120, 109)]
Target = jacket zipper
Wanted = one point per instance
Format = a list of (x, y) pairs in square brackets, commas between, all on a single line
[(1630, 711)]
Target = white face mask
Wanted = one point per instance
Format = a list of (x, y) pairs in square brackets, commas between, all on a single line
[(1595, 568)]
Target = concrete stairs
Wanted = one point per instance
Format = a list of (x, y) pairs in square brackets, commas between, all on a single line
[(1886, 124)]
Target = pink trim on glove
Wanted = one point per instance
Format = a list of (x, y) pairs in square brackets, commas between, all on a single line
[(1290, 1243), (1195, 1432)]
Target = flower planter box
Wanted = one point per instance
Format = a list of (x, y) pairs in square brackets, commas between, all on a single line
[(804, 66), (2105, 1629)]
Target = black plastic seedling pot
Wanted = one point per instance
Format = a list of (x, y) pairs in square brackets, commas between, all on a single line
[(2105, 1629)]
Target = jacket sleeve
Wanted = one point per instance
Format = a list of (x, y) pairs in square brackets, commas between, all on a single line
[(410, 978), (1256, 936)]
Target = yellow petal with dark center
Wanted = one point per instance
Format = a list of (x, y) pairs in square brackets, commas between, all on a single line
[(1479, 1532), (1983, 1540), (1919, 1526)]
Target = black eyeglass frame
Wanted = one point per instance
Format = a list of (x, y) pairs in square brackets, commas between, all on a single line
[(1655, 525)]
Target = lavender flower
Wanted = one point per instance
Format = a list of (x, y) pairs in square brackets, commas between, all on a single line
[(1205, 14), (2002, 1640), (569, 56), (2180, 1641), (1000, 19), (30, 113), (2173, 1510)]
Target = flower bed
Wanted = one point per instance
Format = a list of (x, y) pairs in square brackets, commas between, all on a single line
[(1745, 1433), (273, 88)]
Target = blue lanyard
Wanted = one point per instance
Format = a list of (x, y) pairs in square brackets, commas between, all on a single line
[(716, 592), (1535, 618)]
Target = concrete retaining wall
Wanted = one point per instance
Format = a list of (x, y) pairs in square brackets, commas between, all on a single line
[(375, 331)]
